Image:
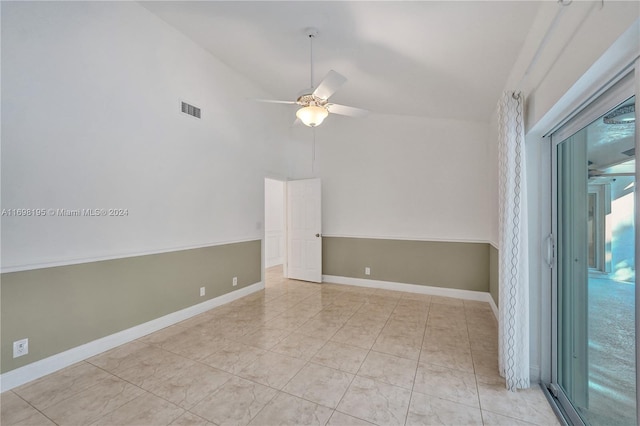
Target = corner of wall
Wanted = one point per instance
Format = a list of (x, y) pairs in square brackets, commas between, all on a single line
[(494, 288)]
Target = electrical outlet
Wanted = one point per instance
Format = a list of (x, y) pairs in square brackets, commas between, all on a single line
[(20, 347), (202, 291), (235, 281), (367, 270)]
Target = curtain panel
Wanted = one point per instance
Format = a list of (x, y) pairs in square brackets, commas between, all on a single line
[(513, 323)]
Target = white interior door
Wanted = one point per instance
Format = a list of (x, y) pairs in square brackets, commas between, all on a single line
[(304, 233)]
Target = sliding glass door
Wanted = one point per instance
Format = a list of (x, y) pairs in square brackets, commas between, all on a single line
[(595, 340)]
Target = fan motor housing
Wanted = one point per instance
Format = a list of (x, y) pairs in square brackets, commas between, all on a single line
[(307, 98)]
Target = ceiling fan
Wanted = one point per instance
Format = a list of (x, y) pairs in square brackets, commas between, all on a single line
[(314, 102)]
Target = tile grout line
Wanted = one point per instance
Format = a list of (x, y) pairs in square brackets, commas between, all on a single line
[(310, 361), (288, 381), (475, 373), (145, 391), (277, 391), (32, 406), (415, 375), (363, 361), (190, 359)]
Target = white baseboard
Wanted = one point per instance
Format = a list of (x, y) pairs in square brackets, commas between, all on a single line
[(35, 370), (479, 296), (495, 309)]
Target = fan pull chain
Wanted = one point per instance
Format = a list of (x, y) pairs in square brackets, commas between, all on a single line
[(313, 153)]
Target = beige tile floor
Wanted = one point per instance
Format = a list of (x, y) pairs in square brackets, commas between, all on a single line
[(295, 353)]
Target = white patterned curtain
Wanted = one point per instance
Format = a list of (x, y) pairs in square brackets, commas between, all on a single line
[(513, 259)]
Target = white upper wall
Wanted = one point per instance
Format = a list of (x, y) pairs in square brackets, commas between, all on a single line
[(90, 119), (399, 177)]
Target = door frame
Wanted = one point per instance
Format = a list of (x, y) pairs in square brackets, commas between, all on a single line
[(284, 181), (611, 93), (285, 207)]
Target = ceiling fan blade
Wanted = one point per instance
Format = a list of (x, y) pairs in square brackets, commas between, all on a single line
[(329, 84), (347, 110), (273, 101)]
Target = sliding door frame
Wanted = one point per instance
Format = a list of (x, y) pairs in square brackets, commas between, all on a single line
[(623, 86)]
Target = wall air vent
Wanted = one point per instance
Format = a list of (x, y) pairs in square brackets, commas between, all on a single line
[(191, 110), (630, 152)]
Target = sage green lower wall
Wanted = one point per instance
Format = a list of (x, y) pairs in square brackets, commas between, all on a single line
[(455, 265), (63, 307), (493, 274)]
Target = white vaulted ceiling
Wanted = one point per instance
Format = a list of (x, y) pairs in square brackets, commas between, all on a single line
[(441, 59)]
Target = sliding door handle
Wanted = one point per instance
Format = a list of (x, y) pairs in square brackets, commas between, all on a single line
[(551, 250)]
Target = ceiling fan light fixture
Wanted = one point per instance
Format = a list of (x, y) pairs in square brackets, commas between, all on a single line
[(312, 115), (314, 102)]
